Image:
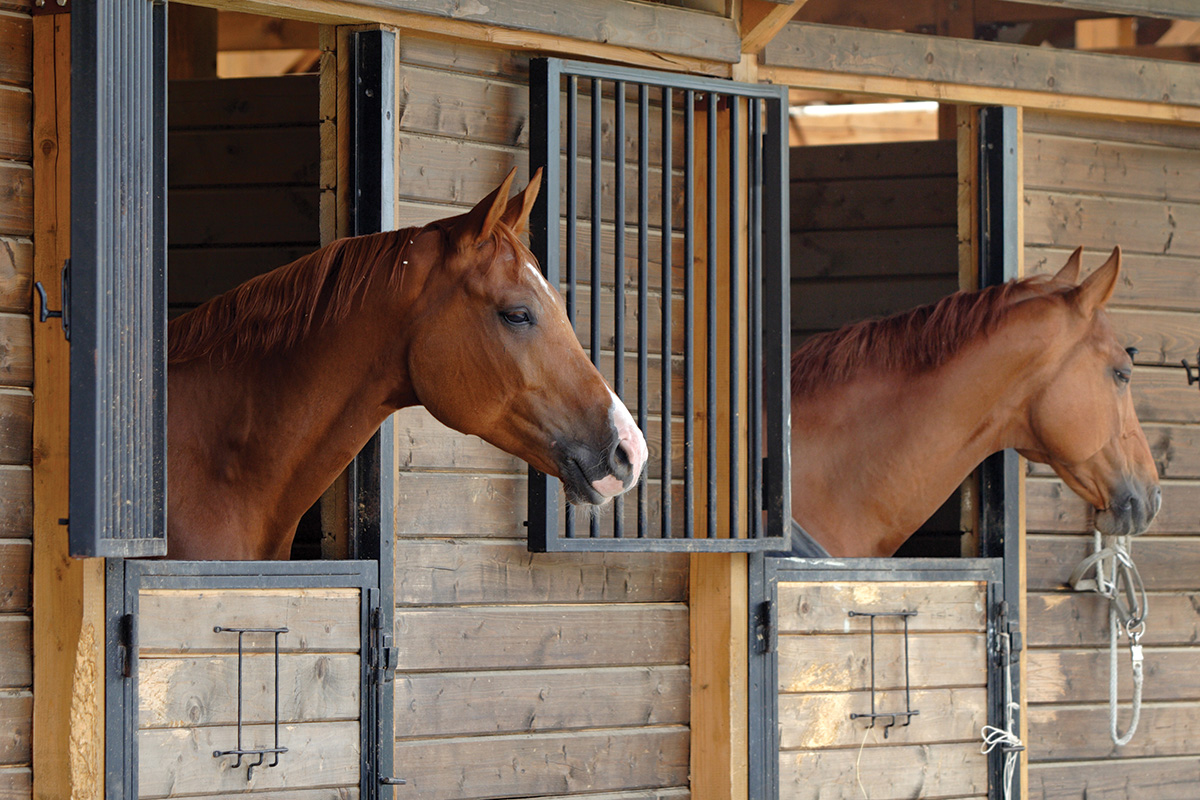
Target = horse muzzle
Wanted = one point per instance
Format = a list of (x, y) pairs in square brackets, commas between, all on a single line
[(1131, 510), (595, 477)]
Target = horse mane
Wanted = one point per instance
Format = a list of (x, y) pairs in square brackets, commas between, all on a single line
[(915, 341), (280, 307)]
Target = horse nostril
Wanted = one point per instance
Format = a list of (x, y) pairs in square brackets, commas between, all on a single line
[(621, 459), (1155, 500)]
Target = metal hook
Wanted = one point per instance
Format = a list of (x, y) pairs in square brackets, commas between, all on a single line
[(1193, 373)]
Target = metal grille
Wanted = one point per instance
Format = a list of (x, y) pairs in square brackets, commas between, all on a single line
[(663, 218), (118, 245)]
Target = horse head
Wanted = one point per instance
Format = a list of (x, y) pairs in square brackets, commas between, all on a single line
[(496, 355), (1083, 421)]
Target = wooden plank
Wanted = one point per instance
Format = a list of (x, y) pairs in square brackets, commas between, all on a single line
[(16, 783), (520, 701), (1138, 226), (16, 502), (243, 157), (1162, 394), (250, 32), (875, 253), (16, 271), (1064, 619), (828, 306), (816, 721), (874, 161), (242, 102), (1117, 779), (981, 65), (808, 608), (1161, 337), (173, 762), (16, 123), (868, 203), (1165, 563), (886, 773), (670, 793), (542, 636), (16, 669), (1124, 169), (540, 764), (186, 692), (16, 426), (1053, 508), (16, 50), (1167, 9), (455, 572), (1071, 732), (763, 20), (16, 349), (1176, 449), (1081, 676), (244, 216), (841, 663), (16, 724), (181, 620), (16, 558), (197, 274), (192, 43), (1110, 129), (16, 199), (1148, 280), (463, 56)]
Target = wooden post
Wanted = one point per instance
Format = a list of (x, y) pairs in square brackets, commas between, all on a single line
[(68, 594), (191, 42)]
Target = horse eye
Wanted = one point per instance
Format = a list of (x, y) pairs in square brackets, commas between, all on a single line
[(1122, 375), (517, 317)]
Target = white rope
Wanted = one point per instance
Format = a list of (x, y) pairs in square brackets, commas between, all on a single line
[(1005, 738)]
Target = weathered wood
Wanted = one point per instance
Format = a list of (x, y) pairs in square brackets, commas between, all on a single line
[(820, 306), (519, 701), (16, 126), (1165, 563), (886, 773), (15, 652), (814, 721), (16, 723), (1053, 508), (196, 274), (1149, 280), (1077, 732), (1108, 128), (16, 270), (944, 607), (16, 783), (869, 203), (542, 636), (16, 50), (15, 575), (1112, 168), (251, 32), (16, 502), (762, 20), (1081, 676), (1116, 779), (283, 100), (1176, 449), (16, 426), (671, 793), (186, 692), (1139, 226), (452, 572), (16, 350), (841, 663), (874, 161), (273, 215), (540, 764), (1163, 395), (1064, 619), (1161, 337), (16, 199), (244, 156), (180, 762), (192, 43), (875, 253), (181, 620), (1168, 9)]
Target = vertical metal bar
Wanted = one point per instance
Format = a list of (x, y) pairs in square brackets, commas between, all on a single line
[(239, 714), (710, 316), (643, 346), (689, 312), (597, 183), (735, 311), (619, 266), (777, 317), (275, 758), (754, 285), (668, 177), (572, 232)]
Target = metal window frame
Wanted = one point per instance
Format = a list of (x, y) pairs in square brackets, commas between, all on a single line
[(768, 305)]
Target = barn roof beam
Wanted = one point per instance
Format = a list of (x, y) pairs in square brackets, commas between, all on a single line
[(762, 19), (959, 70)]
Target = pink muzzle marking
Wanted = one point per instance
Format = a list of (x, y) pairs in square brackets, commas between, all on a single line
[(632, 442)]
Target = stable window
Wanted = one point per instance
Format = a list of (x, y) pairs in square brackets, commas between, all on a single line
[(663, 221)]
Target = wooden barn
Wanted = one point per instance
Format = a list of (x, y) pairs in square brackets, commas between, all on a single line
[(724, 178)]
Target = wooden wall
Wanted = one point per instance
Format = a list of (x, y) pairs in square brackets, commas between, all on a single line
[(1099, 183), (16, 404), (874, 232), (519, 674)]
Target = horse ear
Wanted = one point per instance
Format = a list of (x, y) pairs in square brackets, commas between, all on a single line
[(517, 214), (1070, 271), (478, 223), (1096, 290)]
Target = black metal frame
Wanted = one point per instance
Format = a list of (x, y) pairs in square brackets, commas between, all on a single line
[(767, 464)]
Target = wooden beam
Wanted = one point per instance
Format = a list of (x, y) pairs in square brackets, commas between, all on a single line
[(761, 20), (617, 30), (923, 15), (191, 42), (1166, 9), (1104, 34), (68, 594), (237, 31), (1178, 52), (953, 70)]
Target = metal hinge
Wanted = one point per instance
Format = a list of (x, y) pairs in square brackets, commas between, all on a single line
[(1006, 627), (381, 653), (127, 650), (64, 312), (766, 624)]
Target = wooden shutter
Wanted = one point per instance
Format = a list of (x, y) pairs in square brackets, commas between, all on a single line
[(118, 296)]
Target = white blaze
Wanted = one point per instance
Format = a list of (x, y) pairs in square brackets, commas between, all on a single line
[(632, 440)]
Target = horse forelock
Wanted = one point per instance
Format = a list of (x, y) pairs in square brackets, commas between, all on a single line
[(279, 308), (912, 341)]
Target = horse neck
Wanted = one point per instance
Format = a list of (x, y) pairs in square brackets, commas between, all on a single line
[(874, 458)]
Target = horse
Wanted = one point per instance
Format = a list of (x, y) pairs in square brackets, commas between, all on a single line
[(276, 385), (889, 416)]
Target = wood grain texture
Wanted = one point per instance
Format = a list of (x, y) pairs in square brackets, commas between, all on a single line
[(454, 572), (887, 773), (16, 502), (822, 720), (1165, 563), (871, 203), (16, 274), (1109, 128), (1070, 732), (541, 636), (285, 215), (1162, 779), (878, 253), (1081, 676), (1053, 508), (1063, 619), (810, 608), (16, 652), (874, 162), (1123, 169), (282, 100), (841, 663), (16, 199), (16, 727), (16, 50), (244, 156), (1147, 280), (16, 426), (16, 123), (529, 701), (541, 764), (1137, 225), (16, 783), (15, 575), (822, 306)]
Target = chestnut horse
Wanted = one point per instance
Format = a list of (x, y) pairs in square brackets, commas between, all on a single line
[(274, 386), (889, 416)]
